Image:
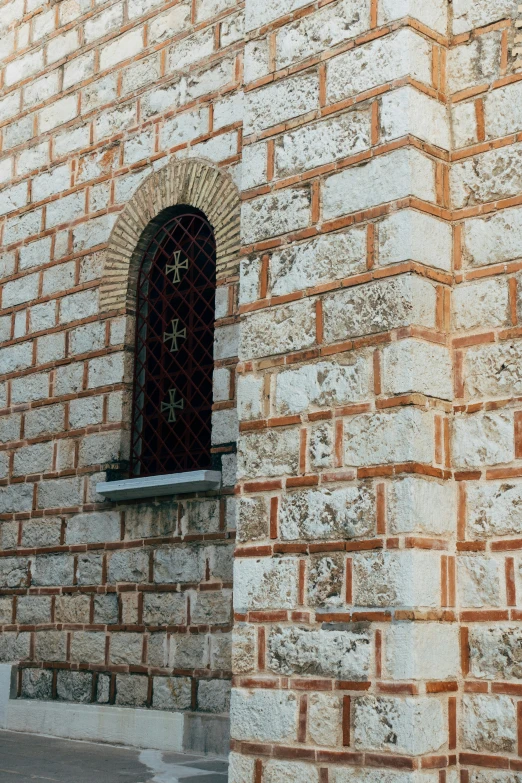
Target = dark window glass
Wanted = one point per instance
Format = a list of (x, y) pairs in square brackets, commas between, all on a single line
[(172, 401)]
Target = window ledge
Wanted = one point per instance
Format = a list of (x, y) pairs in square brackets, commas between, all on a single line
[(153, 486)]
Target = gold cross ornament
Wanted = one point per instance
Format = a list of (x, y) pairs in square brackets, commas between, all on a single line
[(172, 406), (177, 266), (174, 335)]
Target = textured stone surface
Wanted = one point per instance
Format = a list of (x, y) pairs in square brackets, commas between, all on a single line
[(399, 174), (321, 143), (494, 370), (415, 366), (268, 453), (493, 239), (317, 261), (264, 715), (396, 579), (481, 304), (286, 328), (172, 693), (385, 59), (290, 772), (495, 652), (410, 235), (378, 438), (412, 725), (325, 384), (489, 723), (252, 518), (493, 175), (343, 655), (281, 101), (494, 509), (417, 651), (378, 307), (265, 583), (328, 514), (417, 505), (483, 439), (479, 581)]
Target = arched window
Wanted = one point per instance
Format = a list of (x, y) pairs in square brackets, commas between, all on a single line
[(172, 398)]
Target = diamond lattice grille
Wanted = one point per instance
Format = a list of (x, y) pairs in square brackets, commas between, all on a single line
[(172, 401)]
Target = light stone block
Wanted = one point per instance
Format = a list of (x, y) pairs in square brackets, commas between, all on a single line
[(93, 527), (481, 304), (250, 397), (474, 62), (324, 385), (265, 583), (233, 29), (422, 651), (489, 723), (494, 509), (493, 239), (264, 715), (408, 111), (420, 506), (468, 14), (322, 142), (169, 24), (328, 514), (483, 439), (184, 127), (414, 366), (476, 180), (432, 13), (392, 57), (279, 102), (279, 330), (464, 124), (58, 113), (290, 772), (378, 307), (258, 14), (240, 768), (324, 719), (144, 72), (340, 654), (503, 111), (13, 198), (254, 168), (404, 435), (269, 453), (402, 173), (229, 109), (411, 725), (274, 214), (495, 652), (409, 578), (122, 48), (317, 261), (321, 31), (479, 582), (257, 60)]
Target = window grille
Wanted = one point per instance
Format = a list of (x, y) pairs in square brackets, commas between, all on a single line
[(172, 397)]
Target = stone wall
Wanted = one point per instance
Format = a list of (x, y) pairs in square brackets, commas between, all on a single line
[(127, 604), (375, 144)]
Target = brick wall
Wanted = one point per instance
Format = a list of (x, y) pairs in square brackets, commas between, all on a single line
[(112, 603), (375, 143)]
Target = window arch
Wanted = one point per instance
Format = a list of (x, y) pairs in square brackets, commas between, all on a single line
[(175, 312)]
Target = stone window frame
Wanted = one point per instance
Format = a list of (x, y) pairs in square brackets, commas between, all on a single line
[(196, 183)]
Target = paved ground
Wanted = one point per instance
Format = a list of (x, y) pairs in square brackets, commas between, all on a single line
[(27, 758)]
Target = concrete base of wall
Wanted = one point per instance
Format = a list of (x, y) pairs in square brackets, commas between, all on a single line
[(137, 728)]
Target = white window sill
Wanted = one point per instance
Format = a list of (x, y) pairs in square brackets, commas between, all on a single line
[(153, 486)]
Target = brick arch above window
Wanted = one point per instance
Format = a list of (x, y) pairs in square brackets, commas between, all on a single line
[(194, 182)]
